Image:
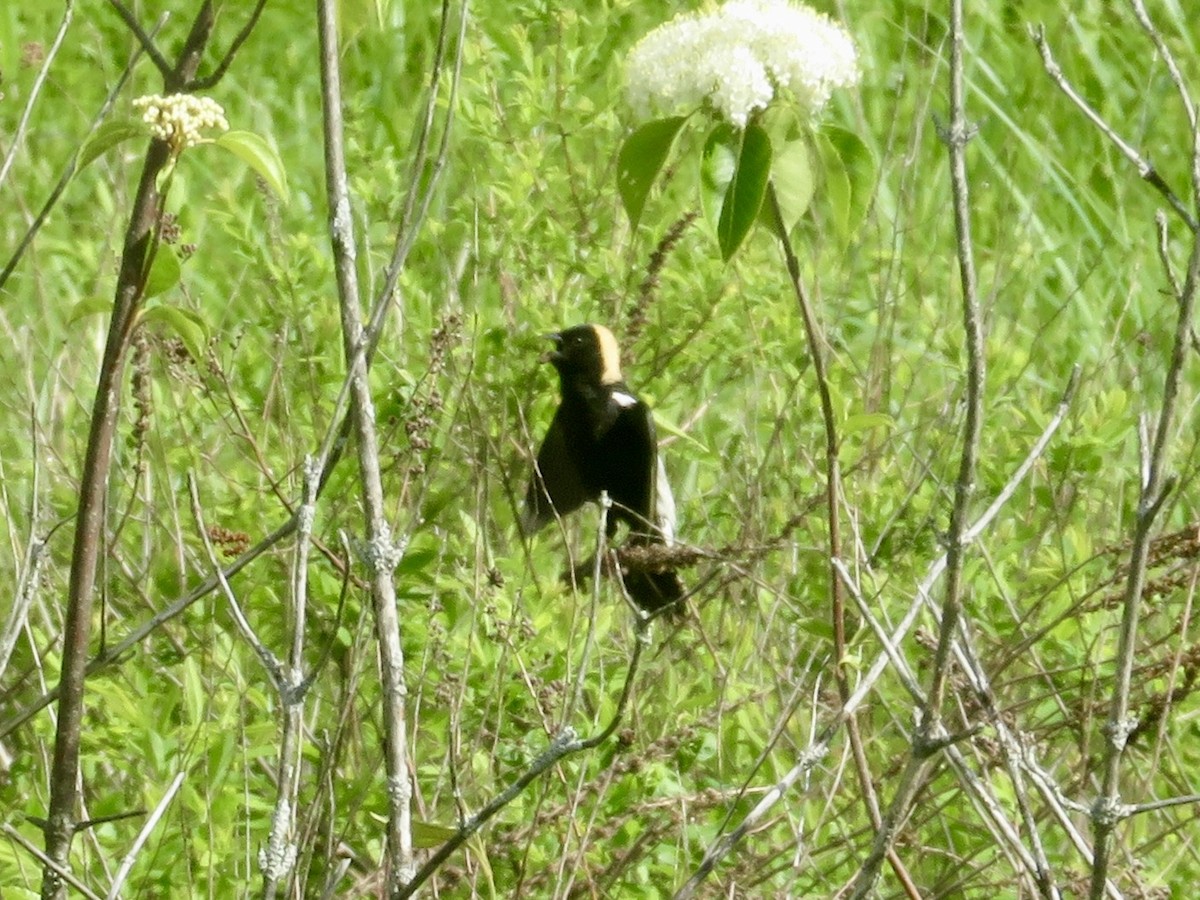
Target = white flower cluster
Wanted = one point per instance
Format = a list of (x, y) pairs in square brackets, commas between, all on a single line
[(737, 57), (179, 119)]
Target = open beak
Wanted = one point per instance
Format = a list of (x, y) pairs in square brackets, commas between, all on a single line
[(555, 355)]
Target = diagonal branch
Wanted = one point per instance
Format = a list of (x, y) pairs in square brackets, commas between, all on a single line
[(1146, 171), (203, 84), (564, 744), (35, 90), (69, 170), (146, 40), (820, 744)]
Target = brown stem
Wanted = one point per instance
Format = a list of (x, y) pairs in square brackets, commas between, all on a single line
[(89, 521), (833, 493)]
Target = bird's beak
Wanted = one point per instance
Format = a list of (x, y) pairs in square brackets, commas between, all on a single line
[(555, 355)]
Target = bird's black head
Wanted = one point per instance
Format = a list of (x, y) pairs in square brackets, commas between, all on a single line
[(586, 355)]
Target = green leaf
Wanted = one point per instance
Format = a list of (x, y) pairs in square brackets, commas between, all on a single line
[(792, 179), (718, 161), (165, 272), (744, 197), (106, 137), (186, 325), (866, 421), (426, 834), (90, 306), (666, 425), (640, 160), (836, 188), (850, 171), (254, 150)]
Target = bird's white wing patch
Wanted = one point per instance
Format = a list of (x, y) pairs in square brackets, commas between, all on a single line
[(664, 505), (624, 400)]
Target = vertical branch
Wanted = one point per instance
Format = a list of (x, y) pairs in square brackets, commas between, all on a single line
[(964, 489), (89, 521), (833, 476), (929, 737), (818, 746), (281, 846), (381, 553), (833, 494), (1107, 810)]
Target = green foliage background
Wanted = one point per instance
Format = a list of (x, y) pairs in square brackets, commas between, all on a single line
[(526, 235)]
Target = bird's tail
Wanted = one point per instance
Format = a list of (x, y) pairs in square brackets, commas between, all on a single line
[(648, 573)]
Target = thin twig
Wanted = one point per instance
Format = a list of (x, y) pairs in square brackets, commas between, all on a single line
[(930, 736), (268, 659), (1155, 805), (63, 873), (35, 90), (140, 841), (833, 499), (818, 746), (565, 744), (1108, 811), (69, 170), (35, 556), (1146, 171), (145, 40), (208, 81)]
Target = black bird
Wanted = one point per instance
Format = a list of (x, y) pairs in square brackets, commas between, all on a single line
[(602, 439)]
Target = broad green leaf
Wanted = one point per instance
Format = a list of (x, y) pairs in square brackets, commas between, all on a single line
[(718, 161), (187, 326), (744, 198), (792, 179), (426, 834), (835, 183), (641, 159), (164, 274), (254, 150), (663, 424), (89, 307), (865, 421), (107, 136), (845, 153)]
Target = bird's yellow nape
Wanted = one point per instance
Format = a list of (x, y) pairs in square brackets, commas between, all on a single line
[(610, 355)]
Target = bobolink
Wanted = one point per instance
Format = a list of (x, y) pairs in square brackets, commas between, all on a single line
[(602, 439)]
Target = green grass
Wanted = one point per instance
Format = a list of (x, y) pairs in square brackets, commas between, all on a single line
[(526, 234)]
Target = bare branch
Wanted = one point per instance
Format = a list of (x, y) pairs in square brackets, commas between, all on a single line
[(208, 81), (146, 40), (131, 857), (565, 744), (382, 553), (819, 745), (69, 170), (1146, 171), (1107, 810), (930, 736), (36, 90), (63, 873)]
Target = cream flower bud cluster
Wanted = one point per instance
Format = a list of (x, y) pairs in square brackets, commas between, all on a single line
[(738, 57), (181, 119)]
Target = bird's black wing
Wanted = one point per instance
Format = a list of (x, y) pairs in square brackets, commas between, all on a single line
[(652, 584), (631, 451), (555, 488)]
